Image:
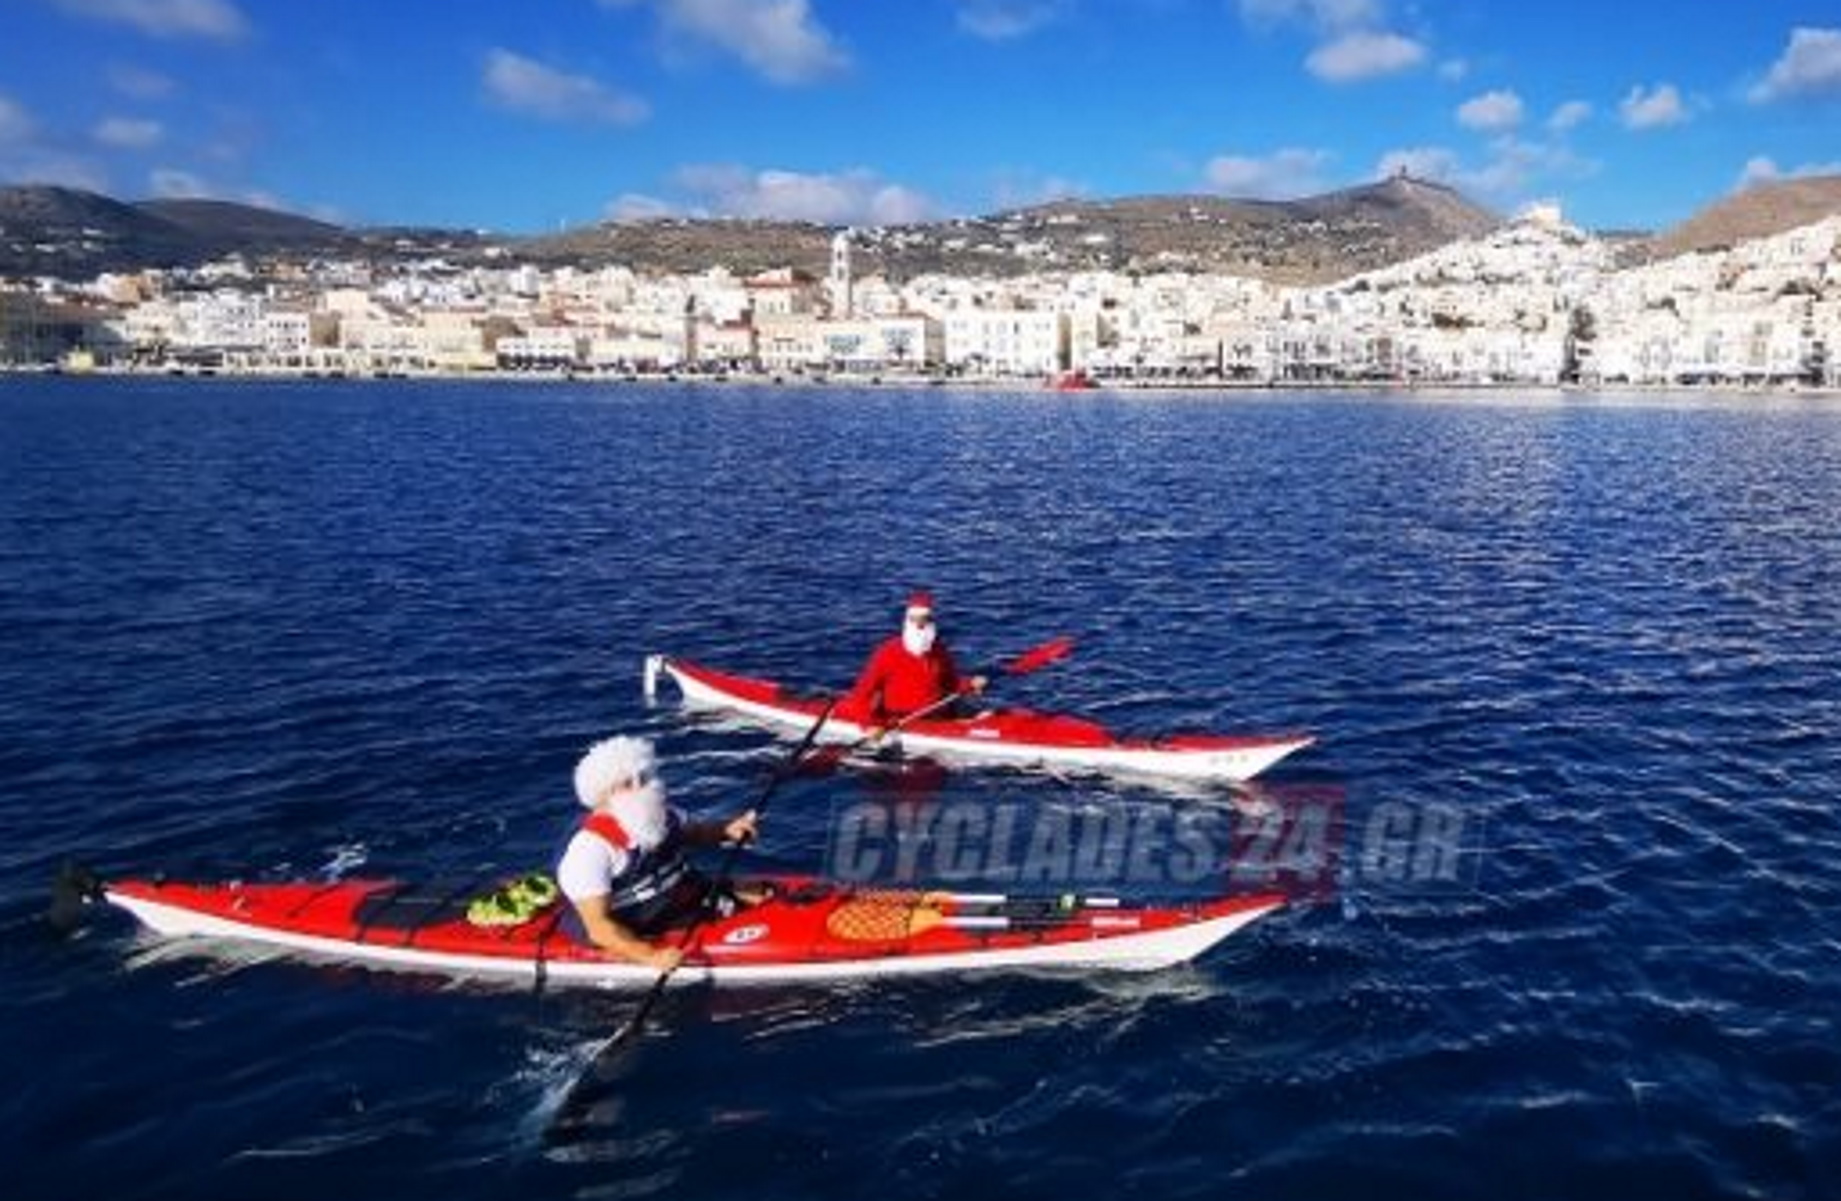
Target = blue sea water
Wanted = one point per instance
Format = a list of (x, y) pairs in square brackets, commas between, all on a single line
[(278, 629)]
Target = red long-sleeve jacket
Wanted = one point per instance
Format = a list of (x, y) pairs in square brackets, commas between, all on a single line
[(895, 683)]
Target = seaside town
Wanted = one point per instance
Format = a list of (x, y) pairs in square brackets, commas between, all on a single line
[(1535, 302)]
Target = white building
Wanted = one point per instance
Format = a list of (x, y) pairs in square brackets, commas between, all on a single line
[(1762, 312), (549, 347), (1006, 342), (1535, 301)]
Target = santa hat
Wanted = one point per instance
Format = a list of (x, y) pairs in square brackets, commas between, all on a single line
[(612, 761), (919, 603)]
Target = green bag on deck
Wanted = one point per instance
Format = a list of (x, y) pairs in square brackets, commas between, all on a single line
[(514, 903)]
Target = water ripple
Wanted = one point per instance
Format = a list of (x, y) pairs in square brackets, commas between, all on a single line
[(274, 629)]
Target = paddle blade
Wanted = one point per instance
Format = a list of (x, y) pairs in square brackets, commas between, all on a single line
[(1052, 651), (575, 1112)]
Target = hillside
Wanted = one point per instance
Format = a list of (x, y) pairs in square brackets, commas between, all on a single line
[(73, 234), (219, 223), (1313, 240), (1760, 211), (1316, 239), (679, 245)]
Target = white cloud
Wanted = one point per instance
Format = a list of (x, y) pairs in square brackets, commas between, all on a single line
[(1003, 20), (1492, 112), (1282, 175), (1331, 16), (1353, 41), (1653, 108), (1512, 168), (138, 83), (1358, 56), (217, 19), (176, 183), (1756, 170), (128, 133), (1765, 170), (56, 168), (1453, 70), (1024, 190), (526, 85), (854, 197), (171, 183), (1570, 115), (780, 39), (634, 206), (1810, 66), (16, 124), (24, 158)]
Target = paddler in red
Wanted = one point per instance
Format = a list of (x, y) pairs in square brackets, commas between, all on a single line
[(626, 870), (909, 673)]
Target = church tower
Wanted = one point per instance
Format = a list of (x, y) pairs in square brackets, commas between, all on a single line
[(842, 303)]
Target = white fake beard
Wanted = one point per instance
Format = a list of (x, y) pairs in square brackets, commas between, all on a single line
[(917, 640), (641, 813)]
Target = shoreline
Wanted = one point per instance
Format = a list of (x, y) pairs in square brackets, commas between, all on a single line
[(912, 382)]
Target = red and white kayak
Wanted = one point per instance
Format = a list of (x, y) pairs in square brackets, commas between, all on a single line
[(1010, 736), (807, 931)]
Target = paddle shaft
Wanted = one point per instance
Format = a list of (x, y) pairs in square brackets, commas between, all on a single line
[(722, 878), (580, 1095), (1034, 658)]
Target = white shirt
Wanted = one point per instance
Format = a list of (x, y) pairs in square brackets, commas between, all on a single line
[(589, 866)]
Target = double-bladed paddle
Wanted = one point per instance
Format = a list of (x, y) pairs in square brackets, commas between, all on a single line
[(581, 1094)]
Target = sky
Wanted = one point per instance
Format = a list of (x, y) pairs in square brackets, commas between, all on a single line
[(538, 115)]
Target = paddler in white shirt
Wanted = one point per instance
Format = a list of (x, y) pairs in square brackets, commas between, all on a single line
[(626, 869)]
